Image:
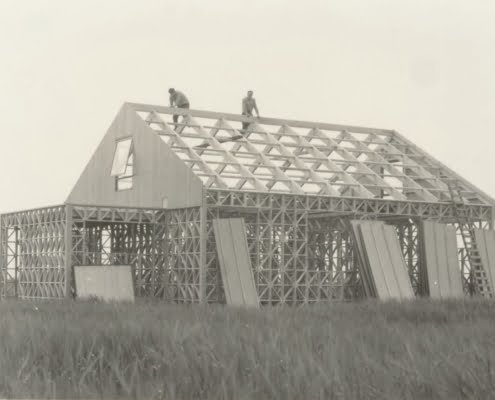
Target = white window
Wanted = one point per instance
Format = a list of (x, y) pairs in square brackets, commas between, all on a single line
[(121, 156), (123, 165)]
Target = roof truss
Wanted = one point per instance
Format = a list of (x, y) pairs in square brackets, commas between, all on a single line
[(300, 157)]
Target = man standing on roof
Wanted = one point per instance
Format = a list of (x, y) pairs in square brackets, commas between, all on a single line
[(248, 105), (179, 100)]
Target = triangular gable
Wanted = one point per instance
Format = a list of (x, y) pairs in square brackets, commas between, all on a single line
[(160, 177)]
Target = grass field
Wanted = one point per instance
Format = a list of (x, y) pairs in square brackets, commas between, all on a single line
[(368, 350)]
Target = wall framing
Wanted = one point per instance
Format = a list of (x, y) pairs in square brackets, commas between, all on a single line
[(300, 246)]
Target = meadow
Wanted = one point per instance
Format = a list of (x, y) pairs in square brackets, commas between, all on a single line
[(150, 350)]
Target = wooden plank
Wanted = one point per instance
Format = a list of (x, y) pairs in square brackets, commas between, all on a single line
[(485, 241), (106, 282), (398, 264), (430, 258), (219, 228), (455, 276), (490, 250), (374, 262), (386, 262), (368, 283), (261, 120), (68, 251), (231, 139), (442, 267), (440, 256), (238, 231), (235, 263)]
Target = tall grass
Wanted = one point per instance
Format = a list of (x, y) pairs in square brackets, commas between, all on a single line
[(369, 350)]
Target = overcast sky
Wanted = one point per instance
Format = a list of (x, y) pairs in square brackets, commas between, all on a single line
[(424, 68)]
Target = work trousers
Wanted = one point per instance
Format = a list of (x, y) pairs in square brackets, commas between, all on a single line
[(176, 116), (245, 125)]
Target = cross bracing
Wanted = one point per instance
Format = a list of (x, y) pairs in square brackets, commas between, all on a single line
[(296, 184), (284, 156)]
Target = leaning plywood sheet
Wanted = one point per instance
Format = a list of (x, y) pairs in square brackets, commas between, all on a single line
[(108, 283), (385, 260), (440, 255), (485, 240), (368, 283), (235, 263)]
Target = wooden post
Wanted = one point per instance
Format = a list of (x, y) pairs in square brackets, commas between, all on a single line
[(3, 261), (68, 250), (202, 249)]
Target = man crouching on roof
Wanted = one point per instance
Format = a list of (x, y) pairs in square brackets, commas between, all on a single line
[(248, 105), (179, 100)]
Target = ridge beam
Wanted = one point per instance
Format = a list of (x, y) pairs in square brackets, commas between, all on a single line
[(212, 115)]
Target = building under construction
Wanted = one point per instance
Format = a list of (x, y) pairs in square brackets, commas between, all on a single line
[(152, 191)]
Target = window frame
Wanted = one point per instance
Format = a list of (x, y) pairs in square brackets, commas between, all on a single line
[(129, 171), (116, 171)]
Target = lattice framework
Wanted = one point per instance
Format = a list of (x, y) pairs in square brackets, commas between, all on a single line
[(283, 156), (295, 183), (300, 247), (33, 253)]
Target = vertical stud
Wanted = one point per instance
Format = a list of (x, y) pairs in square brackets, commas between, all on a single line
[(202, 249), (68, 250)]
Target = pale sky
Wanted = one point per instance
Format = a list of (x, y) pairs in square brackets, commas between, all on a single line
[(424, 68)]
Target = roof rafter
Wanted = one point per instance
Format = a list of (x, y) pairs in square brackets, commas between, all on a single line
[(358, 187), (301, 157), (316, 178), (422, 192), (191, 152), (246, 174), (278, 173)]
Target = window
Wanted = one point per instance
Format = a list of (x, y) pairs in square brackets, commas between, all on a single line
[(123, 165), (121, 156)]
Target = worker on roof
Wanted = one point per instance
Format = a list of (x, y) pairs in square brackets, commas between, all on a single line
[(248, 105), (179, 100)]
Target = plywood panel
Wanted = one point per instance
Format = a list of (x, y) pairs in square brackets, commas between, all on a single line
[(160, 174), (440, 255), (368, 283), (397, 263), (372, 258), (241, 250), (485, 241), (235, 262), (109, 283), (385, 261)]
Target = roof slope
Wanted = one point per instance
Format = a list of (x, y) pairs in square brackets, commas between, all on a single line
[(300, 157)]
